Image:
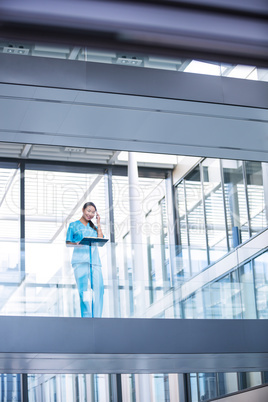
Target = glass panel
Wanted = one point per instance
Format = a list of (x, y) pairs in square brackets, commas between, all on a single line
[(254, 379), (193, 307), (249, 379), (160, 388), (227, 383), (265, 377), (153, 250), (52, 200), (207, 386), (101, 388), (223, 298), (11, 265), (235, 199), (128, 387), (157, 251), (48, 286), (196, 226), (193, 387), (212, 300), (247, 291), (236, 295), (256, 202), (215, 219), (10, 385), (183, 263), (261, 284)]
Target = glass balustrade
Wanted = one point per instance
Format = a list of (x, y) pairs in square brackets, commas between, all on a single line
[(41, 282)]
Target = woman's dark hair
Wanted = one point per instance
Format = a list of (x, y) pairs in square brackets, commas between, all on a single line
[(90, 204)]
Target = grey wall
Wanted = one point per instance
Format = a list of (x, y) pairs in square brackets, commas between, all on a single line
[(62, 102)]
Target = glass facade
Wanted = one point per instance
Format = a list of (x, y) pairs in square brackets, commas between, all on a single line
[(207, 386), (101, 387), (10, 387), (219, 207), (201, 255), (241, 293)]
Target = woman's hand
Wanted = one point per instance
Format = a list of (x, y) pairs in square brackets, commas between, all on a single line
[(100, 234)]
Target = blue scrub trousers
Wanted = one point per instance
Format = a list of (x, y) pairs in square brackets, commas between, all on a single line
[(82, 277)]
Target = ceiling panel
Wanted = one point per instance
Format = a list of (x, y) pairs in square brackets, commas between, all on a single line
[(120, 122), (44, 116), (12, 112)]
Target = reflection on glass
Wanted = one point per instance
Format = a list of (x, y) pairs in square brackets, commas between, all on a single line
[(247, 290), (193, 387), (53, 199), (235, 200), (261, 284), (183, 262), (195, 218), (153, 246), (241, 293), (193, 306), (160, 388), (10, 387), (157, 247), (207, 386), (11, 261), (236, 301), (214, 209), (249, 379), (128, 387), (227, 383), (100, 387), (255, 192)]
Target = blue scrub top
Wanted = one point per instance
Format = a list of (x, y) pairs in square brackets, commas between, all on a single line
[(75, 233)]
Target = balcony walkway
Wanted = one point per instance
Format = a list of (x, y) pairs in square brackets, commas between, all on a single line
[(112, 345)]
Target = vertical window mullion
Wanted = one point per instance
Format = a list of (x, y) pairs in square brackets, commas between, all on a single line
[(224, 206), (204, 211), (187, 229), (110, 217), (246, 196), (22, 219), (170, 208)]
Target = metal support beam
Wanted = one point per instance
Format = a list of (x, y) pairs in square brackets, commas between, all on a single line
[(24, 388), (114, 345), (22, 219)]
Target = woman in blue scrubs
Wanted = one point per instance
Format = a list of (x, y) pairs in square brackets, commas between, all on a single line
[(84, 227)]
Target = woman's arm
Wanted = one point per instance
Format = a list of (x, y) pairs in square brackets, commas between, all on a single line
[(100, 234), (69, 237), (69, 243)]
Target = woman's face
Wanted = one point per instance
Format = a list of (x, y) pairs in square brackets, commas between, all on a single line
[(89, 213)]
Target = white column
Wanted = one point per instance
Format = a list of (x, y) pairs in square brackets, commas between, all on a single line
[(136, 220), (113, 294), (90, 387), (143, 387), (173, 387)]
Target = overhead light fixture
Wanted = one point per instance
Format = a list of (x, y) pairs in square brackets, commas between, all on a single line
[(129, 60), (73, 149), (16, 49)]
